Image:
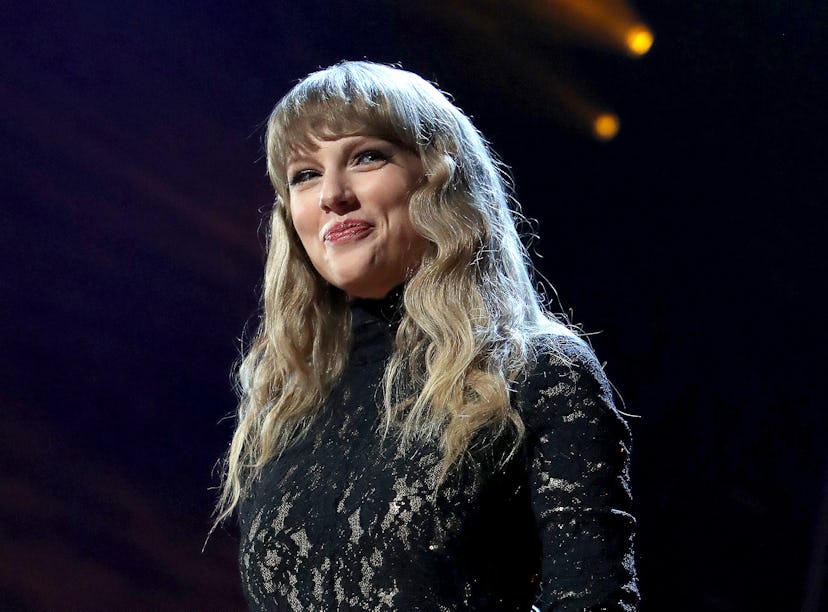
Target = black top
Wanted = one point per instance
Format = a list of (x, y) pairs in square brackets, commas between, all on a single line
[(343, 520)]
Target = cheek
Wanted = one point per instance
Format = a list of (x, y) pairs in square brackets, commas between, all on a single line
[(407, 244), (405, 227), (401, 213), (303, 222)]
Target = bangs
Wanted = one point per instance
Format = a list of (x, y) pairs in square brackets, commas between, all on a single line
[(335, 103), (334, 118)]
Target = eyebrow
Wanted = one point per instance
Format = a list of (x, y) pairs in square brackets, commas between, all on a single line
[(296, 159), (298, 154), (306, 155)]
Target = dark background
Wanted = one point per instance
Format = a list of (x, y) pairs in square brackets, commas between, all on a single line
[(133, 186)]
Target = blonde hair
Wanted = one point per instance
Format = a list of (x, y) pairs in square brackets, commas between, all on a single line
[(471, 316)]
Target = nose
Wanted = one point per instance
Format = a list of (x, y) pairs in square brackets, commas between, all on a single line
[(336, 195)]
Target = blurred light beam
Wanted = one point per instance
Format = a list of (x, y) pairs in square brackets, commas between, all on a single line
[(612, 23)]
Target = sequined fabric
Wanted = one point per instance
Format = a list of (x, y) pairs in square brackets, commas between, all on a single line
[(345, 521)]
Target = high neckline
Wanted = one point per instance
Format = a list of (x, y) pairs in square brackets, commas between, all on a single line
[(387, 311)]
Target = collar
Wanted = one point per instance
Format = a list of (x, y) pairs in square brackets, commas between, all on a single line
[(385, 311)]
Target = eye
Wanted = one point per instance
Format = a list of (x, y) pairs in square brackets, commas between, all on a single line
[(302, 176), (370, 156)]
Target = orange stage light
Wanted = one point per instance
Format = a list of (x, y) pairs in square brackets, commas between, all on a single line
[(639, 39), (605, 126), (612, 23)]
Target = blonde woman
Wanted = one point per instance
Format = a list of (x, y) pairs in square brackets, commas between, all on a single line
[(415, 431)]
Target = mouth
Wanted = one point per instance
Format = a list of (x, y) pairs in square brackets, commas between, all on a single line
[(347, 231)]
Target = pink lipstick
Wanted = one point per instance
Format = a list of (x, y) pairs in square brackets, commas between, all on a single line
[(347, 231)]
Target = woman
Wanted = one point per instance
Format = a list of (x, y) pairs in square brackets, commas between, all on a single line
[(415, 431)]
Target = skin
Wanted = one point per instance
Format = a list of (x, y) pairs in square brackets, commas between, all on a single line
[(349, 204)]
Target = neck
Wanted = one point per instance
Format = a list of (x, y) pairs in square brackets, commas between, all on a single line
[(387, 309)]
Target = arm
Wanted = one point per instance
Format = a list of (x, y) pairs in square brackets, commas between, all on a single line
[(578, 452)]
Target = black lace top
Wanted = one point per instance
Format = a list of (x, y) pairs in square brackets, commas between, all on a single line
[(345, 521)]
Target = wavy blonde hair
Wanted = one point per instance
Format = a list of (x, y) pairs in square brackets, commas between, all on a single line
[(471, 314)]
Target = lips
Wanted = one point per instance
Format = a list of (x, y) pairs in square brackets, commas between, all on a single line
[(347, 231)]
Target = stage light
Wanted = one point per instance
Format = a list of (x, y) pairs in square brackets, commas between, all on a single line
[(605, 126), (610, 23), (574, 106), (607, 24), (639, 39)]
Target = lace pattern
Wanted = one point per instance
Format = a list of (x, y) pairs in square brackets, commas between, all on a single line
[(344, 521)]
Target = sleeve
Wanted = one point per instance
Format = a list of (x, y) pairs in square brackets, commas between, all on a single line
[(578, 457)]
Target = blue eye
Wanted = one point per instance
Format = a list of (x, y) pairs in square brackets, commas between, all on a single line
[(302, 176), (370, 156)]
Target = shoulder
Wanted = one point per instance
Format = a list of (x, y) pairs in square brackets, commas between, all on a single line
[(561, 365), (564, 356), (565, 384)]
